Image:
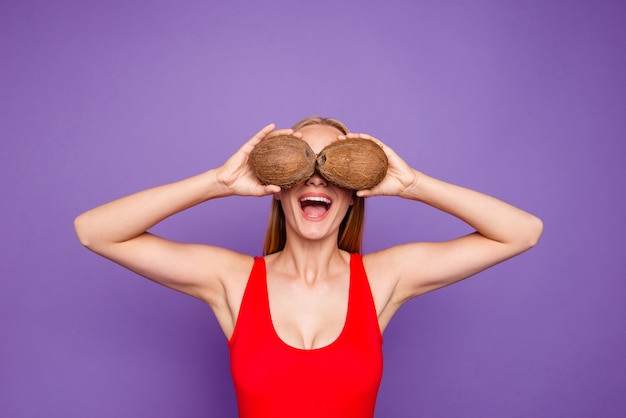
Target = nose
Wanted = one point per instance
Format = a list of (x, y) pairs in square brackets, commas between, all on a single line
[(316, 180)]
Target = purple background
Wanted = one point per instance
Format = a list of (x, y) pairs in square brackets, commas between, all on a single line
[(522, 100)]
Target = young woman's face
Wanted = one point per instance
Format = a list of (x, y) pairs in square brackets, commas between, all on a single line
[(314, 209)]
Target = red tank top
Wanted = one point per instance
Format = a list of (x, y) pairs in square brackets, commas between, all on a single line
[(275, 380)]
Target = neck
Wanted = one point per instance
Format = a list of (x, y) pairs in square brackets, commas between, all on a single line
[(311, 260)]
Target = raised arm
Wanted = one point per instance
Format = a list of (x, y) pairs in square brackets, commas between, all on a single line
[(502, 231), (118, 230)]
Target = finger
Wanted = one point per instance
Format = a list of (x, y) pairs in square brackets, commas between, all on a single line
[(257, 137), (280, 132), (261, 134), (265, 131), (362, 136), (271, 189)]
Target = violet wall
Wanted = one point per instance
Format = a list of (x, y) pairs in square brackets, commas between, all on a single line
[(522, 100)]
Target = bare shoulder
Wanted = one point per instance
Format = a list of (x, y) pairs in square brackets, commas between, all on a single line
[(231, 277), (387, 271), (383, 276), (232, 270), (390, 264)]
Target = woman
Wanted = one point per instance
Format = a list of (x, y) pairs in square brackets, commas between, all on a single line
[(304, 322)]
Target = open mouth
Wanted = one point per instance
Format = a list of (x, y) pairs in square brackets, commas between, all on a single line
[(315, 207)]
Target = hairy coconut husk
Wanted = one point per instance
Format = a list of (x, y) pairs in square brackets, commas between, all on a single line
[(282, 160), (353, 163)]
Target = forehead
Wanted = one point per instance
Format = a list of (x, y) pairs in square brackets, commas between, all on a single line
[(318, 136)]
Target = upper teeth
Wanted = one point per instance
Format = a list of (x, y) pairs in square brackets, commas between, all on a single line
[(316, 199)]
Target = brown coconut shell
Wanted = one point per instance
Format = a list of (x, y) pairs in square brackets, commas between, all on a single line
[(353, 163), (282, 160)]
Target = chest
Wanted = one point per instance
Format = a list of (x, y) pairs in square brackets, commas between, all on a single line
[(308, 316)]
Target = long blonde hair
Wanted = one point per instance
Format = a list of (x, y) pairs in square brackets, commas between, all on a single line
[(351, 228)]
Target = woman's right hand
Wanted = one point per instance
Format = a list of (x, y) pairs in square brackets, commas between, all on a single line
[(236, 175)]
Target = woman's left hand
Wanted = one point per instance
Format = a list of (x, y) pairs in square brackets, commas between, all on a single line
[(400, 176)]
